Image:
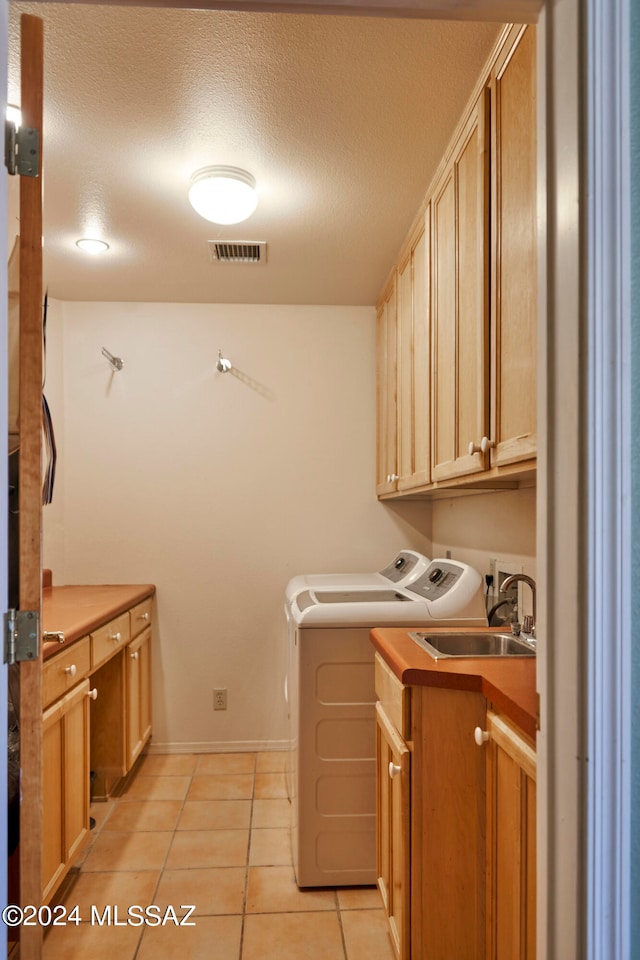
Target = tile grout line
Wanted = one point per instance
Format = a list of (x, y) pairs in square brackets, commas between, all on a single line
[(246, 871), (342, 934)]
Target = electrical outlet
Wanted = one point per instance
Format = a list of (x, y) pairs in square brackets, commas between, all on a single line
[(500, 570), (220, 698)]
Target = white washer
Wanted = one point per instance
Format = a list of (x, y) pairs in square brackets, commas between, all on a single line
[(331, 776), (405, 568)]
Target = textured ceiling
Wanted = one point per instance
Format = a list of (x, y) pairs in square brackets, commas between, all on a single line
[(342, 121)]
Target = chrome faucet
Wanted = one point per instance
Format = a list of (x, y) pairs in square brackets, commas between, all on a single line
[(529, 622)]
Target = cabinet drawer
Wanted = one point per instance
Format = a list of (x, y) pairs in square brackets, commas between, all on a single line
[(64, 670), (394, 697), (140, 616), (105, 641)]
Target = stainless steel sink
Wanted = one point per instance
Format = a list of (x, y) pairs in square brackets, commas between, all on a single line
[(471, 645)]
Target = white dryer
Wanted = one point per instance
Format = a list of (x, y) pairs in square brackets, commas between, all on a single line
[(331, 776), (405, 568)]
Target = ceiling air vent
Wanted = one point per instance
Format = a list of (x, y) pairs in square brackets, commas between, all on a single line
[(238, 252)]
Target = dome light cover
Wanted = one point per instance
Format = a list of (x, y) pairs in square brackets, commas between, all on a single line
[(223, 194)]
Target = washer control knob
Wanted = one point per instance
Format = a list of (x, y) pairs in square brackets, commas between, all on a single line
[(435, 575)]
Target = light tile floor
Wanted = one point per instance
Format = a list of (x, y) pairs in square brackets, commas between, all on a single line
[(209, 830)]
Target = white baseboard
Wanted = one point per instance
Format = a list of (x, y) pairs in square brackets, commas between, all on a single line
[(226, 746)]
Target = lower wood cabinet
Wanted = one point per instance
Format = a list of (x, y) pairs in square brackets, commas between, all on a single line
[(65, 784), (96, 720), (138, 695), (121, 713), (431, 812), (511, 842), (393, 760), (456, 841)]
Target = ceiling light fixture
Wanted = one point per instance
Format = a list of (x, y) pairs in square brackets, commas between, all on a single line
[(223, 194), (92, 247)]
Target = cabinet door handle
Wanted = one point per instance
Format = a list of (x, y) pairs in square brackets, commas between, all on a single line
[(134, 655), (394, 770), (143, 616), (71, 670), (93, 694), (482, 447), (486, 444), (480, 736)]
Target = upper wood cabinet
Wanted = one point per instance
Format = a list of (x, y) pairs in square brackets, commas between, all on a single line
[(414, 366), (457, 321), (514, 250), (386, 386), (459, 302), (404, 368)]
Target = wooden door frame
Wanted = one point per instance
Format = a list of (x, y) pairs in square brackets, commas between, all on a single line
[(4, 417), (30, 488)]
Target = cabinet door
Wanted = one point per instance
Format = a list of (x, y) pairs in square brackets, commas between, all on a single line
[(514, 250), (386, 397), (138, 682), (414, 379), (65, 800), (53, 854), (393, 826), (460, 315), (448, 825), (511, 843)]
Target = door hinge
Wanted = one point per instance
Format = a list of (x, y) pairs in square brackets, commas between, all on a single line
[(21, 635), (21, 150)]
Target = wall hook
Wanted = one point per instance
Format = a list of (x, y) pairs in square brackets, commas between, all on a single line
[(223, 364), (116, 362)]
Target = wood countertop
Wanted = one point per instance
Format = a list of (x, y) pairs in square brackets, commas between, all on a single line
[(76, 610), (510, 684)]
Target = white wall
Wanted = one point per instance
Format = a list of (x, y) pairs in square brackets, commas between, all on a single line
[(499, 525), (217, 487)]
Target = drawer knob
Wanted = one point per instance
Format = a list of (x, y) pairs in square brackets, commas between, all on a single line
[(71, 670), (134, 655), (143, 616), (480, 736), (93, 694), (116, 637), (394, 770)]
